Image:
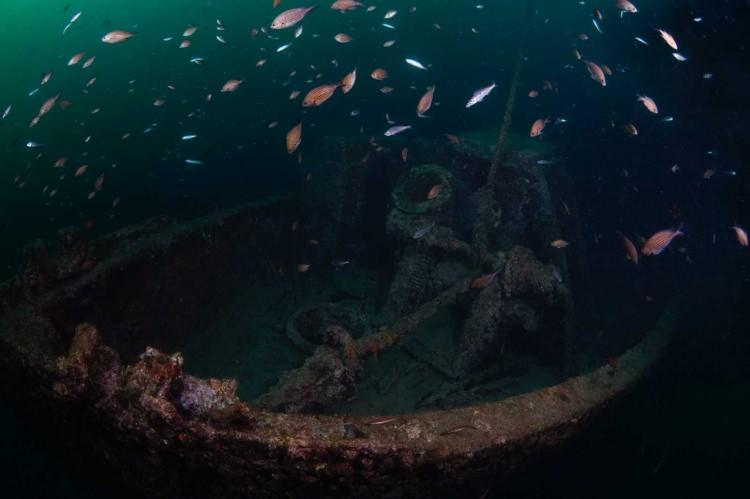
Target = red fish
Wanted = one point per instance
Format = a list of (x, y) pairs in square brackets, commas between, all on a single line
[(596, 73), (117, 36), (538, 126), (649, 103), (483, 281), (425, 103), (348, 82), (379, 74), (435, 191), (290, 17), (629, 248), (344, 5), (294, 138), (741, 235), (76, 58), (343, 38), (626, 6), (231, 85)]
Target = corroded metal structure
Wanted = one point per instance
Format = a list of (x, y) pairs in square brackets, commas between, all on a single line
[(77, 333)]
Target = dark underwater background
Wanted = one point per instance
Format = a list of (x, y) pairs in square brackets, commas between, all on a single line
[(684, 431)]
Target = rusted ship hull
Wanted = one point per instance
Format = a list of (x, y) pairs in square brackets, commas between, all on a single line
[(74, 331)]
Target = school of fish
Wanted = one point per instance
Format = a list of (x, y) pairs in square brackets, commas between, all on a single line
[(285, 29)]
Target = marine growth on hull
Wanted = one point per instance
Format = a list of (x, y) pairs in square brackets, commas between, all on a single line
[(396, 279), (396, 308), (436, 288)]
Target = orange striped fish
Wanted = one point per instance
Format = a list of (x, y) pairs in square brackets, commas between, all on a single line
[(319, 95), (629, 248), (425, 103), (294, 138), (348, 82), (656, 243)]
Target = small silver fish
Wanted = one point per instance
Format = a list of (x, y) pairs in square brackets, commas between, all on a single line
[(189, 136), (424, 230), (72, 21), (415, 63), (75, 17), (396, 130), (480, 94), (596, 25), (194, 162)]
